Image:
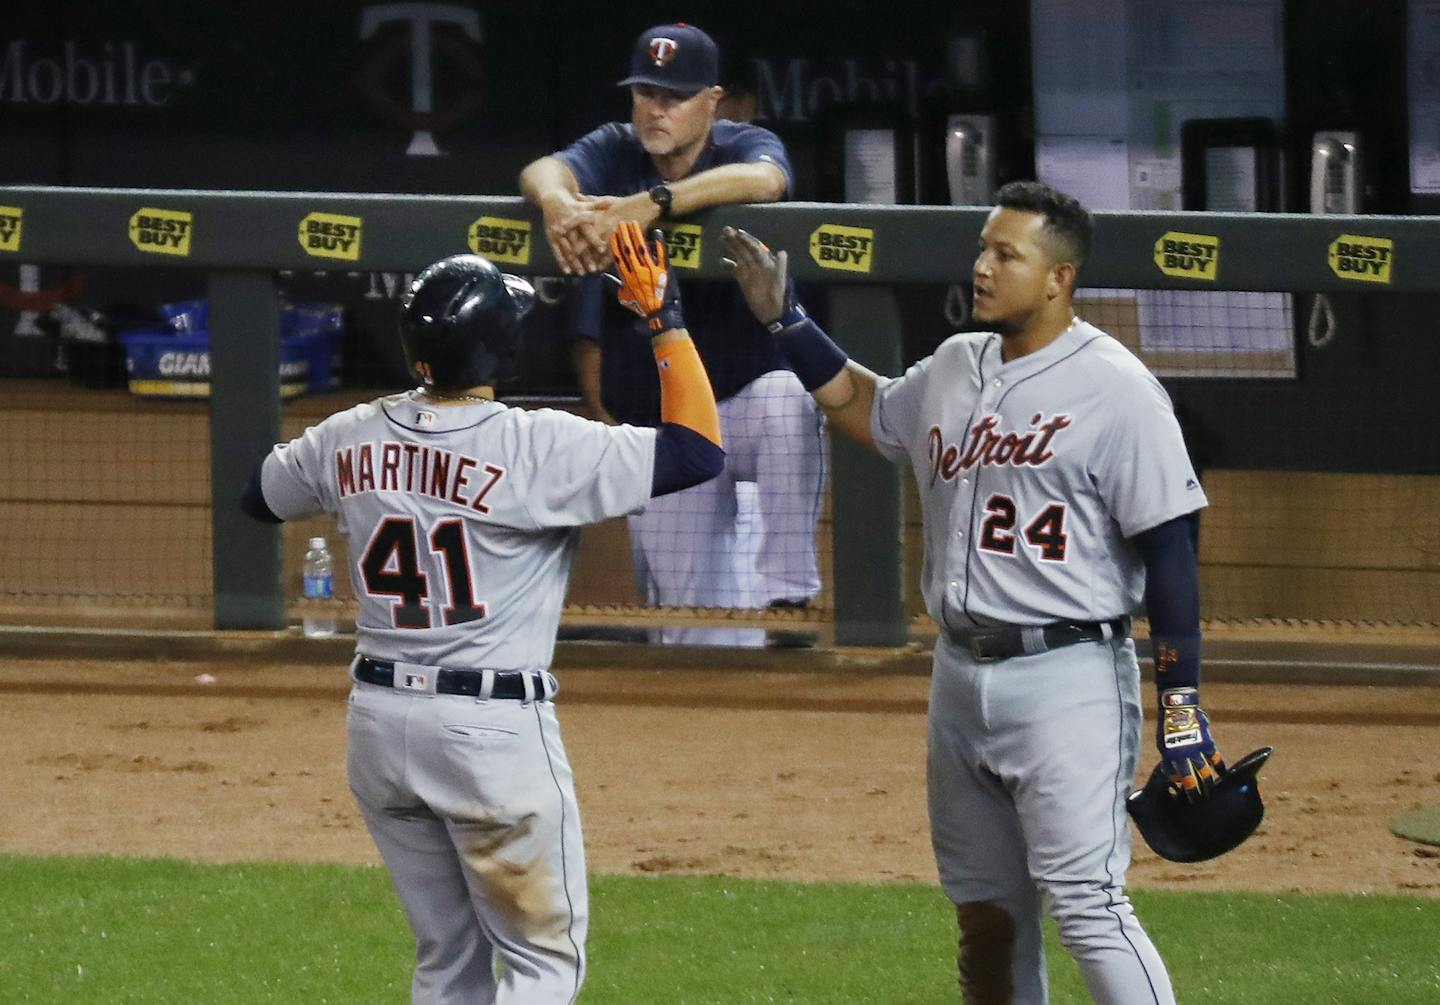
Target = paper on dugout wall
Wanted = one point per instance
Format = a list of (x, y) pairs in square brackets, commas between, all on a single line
[(1091, 168), (1423, 42), (1134, 71)]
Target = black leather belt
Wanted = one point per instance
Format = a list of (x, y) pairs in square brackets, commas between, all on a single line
[(504, 684), (1000, 643)]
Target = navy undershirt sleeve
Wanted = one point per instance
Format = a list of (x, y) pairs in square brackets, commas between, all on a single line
[(1172, 599), (683, 458), (252, 501)]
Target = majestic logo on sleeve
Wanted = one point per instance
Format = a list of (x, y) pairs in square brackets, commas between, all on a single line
[(986, 444)]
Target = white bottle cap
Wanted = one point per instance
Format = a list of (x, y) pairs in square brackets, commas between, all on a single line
[(317, 542)]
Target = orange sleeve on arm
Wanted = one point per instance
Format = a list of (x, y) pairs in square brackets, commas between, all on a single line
[(686, 397)]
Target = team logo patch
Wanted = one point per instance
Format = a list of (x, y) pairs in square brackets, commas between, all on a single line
[(851, 249), (1182, 727), (1188, 256), (1359, 259), (662, 50), (331, 235), (1173, 740), (500, 239), (413, 682), (683, 242), (1165, 658), (162, 231), (11, 219)]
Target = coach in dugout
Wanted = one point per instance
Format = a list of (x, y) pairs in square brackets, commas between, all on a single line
[(746, 538)]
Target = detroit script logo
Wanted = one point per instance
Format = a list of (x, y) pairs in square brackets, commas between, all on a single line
[(987, 445)]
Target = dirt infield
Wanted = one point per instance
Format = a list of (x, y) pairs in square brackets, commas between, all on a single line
[(794, 775)]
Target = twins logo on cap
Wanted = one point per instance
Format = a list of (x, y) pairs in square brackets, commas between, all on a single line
[(662, 50), (678, 57)]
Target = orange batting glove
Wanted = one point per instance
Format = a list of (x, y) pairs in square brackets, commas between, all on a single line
[(646, 285)]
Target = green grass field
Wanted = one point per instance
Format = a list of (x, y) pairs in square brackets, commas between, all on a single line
[(76, 931)]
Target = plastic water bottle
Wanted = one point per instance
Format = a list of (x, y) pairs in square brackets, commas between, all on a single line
[(319, 584)]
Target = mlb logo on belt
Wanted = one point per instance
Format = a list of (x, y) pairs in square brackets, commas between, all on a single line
[(414, 682)]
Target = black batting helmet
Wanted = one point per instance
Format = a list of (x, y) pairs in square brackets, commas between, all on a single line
[(460, 322), (1183, 831)]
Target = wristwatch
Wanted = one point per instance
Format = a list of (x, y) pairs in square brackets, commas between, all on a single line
[(660, 196)]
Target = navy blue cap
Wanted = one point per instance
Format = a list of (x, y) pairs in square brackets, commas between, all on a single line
[(678, 57)]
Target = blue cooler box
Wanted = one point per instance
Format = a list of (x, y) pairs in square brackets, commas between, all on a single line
[(319, 327), (163, 364)]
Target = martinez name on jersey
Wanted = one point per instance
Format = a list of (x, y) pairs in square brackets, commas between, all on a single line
[(387, 466)]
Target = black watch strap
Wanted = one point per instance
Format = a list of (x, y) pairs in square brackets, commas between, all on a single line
[(660, 196)]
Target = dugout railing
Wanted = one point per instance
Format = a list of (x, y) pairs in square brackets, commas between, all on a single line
[(864, 253)]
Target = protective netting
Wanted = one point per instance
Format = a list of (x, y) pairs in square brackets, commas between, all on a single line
[(1305, 415)]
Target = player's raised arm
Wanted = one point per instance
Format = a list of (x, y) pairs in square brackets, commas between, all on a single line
[(842, 387), (688, 449)]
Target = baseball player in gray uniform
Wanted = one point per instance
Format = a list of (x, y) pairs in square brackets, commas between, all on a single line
[(1056, 496), (461, 517)]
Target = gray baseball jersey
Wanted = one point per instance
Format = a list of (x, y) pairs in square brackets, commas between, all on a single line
[(1032, 474), (462, 525), (461, 521)]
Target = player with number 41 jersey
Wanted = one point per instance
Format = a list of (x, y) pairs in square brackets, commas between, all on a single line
[(461, 517)]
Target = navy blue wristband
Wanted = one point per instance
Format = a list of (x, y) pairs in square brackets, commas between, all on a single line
[(814, 358), (669, 316), (792, 314)]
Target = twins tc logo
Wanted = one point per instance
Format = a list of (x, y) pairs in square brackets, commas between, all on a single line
[(435, 36), (662, 50)]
